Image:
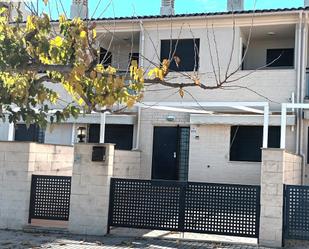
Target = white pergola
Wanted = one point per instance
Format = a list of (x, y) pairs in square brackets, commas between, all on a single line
[(201, 108), (284, 109)]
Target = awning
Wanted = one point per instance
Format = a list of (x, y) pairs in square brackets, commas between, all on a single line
[(238, 119)]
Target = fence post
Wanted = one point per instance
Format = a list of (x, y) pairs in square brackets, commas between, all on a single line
[(278, 168), (271, 219), (90, 191)]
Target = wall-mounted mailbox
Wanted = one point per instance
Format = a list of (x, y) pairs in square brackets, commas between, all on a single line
[(98, 153)]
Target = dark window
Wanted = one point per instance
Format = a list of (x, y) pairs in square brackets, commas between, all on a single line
[(246, 142), (105, 57), (94, 133), (134, 57), (31, 134), (121, 135), (281, 57), (187, 50)]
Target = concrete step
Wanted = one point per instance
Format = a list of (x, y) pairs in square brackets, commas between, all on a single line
[(40, 229)]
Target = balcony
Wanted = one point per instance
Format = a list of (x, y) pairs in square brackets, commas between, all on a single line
[(268, 47), (118, 49)]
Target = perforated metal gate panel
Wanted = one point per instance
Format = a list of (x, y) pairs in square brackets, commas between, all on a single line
[(222, 209), (144, 204), (185, 206), (50, 197), (296, 220)]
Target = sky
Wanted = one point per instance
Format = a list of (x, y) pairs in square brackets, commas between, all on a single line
[(118, 8)]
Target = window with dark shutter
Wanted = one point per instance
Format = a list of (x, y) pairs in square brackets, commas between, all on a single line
[(31, 134), (105, 57), (280, 57), (134, 57), (184, 54), (118, 134), (246, 142)]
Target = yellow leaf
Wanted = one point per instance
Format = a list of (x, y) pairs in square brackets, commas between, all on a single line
[(134, 63), (130, 102), (197, 82), (181, 92), (62, 18), (151, 72), (30, 23), (165, 66), (94, 34), (83, 34), (161, 74), (80, 102), (99, 68), (57, 41)]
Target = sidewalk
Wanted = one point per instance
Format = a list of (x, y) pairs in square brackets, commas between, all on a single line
[(21, 240)]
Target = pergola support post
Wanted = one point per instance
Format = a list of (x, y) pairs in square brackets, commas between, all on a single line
[(265, 126), (283, 126)]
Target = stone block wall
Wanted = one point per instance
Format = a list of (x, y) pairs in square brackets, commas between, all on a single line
[(278, 167), (127, 164), (90, 191), (18, 161), (293, 169), (48, 159)]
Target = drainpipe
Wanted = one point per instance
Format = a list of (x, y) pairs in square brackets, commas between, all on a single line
[(142, 44), (138, 128), (142, 51), (298, 80), (303, 89)]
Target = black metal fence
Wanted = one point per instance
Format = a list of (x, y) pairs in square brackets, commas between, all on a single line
[(185, 206), (50, 197), (296, 218)]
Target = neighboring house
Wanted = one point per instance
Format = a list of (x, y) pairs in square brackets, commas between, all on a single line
[(223, 146)]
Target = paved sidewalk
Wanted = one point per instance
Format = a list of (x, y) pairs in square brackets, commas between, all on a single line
[(20, 240)]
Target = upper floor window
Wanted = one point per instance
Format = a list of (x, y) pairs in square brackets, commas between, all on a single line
[(280, 58), (105, 57), (183, 53), (134, 57), (246, 142)]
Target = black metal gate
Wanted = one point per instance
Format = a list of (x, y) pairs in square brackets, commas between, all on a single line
[(50, 197), (296, 217), (185, 206)]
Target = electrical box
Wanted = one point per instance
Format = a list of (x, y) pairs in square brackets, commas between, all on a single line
[(98, 153)]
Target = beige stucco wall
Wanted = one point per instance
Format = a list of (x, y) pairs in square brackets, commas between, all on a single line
[(292, 169), (211, 149), (18, 161), (209, 157), (264, 82), (127, 164)]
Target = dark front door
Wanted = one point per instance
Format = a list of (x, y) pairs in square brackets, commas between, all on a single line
[(164, 158)]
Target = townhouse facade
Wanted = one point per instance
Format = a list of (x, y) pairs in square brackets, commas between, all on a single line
[(205, 135)]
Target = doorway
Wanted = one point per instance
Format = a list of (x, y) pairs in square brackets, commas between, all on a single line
[(170, 156)]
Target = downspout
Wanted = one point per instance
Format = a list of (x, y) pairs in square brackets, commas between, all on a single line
[(142, 44), (303, 89), (142, 50), (138, 132), (298, 80)]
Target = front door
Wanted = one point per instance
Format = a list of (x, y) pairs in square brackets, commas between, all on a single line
[(164, 158)]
